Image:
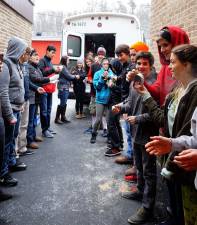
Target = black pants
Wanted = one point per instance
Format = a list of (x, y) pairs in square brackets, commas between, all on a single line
[(114, 129), (79, 95), (2, 140), (146, 175), (176, 203)]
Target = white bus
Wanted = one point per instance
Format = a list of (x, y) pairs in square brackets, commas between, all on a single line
[(87, 32)]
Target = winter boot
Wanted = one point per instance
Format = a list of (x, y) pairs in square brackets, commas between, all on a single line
[(63, 116), (58, 112), (93, 138)]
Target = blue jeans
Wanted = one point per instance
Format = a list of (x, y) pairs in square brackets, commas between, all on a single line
[(45, 110), (2, 140), (31, 129), (63, 96), (129, 152), (11, 133)]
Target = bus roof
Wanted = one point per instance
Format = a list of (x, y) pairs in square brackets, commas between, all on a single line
[(122, 15)]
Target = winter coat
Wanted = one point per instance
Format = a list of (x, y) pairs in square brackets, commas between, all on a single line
[(144, 127), (79, 85), (36, 77), (46, 66), (100, 85), (65, 79), (12, 85)]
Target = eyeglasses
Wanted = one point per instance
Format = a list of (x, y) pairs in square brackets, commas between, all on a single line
[(133, 54)]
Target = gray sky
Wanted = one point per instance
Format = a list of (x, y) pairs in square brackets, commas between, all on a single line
[(69, 5)]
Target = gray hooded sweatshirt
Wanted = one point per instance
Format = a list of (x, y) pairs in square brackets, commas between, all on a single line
[(12, 86)]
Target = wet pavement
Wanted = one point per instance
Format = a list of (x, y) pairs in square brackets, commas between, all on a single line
[(69, 182)]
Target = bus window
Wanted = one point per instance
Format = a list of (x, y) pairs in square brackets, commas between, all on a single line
[(74, 46)]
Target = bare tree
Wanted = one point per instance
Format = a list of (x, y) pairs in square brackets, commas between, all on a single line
[(132, 6), (143, 14), (121, 8)]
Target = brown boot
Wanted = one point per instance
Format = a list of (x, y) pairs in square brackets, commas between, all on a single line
[(123, 160), (33, 145), (130, 171)]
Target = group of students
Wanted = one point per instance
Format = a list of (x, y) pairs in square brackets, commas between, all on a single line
[(160, 120), (151, 104), (27, 84)]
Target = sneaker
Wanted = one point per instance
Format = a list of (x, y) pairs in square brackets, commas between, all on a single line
[(88, 131), (143, 215), (38, 139), (112, 152), (133, 195), (78, 116), (123, 160), (28, 152), (52, 131), (19, 166), (131, 171), (4, 196), (105, 133), (8, 181), (131, 178), (47, 134), (33, 145), (83, 115)]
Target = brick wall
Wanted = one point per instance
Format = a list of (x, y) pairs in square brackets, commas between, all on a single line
[(12, 24), (182, 13)]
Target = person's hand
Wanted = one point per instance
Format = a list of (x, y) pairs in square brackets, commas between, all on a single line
[(125, 116), (159, 145), (110, 83), (116, 108), (13, 121), (41, 90), (77, 77), (54, 79), (89, 81), (58, 69), (114, 78), (131, 119), (187, 159), (105, 75), (140, 88), (131, 74)]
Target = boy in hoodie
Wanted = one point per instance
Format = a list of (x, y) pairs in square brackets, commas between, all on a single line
[(12, 87), (3, 196)]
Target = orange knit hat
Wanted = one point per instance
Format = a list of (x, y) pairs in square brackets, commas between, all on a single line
[(140, 46)]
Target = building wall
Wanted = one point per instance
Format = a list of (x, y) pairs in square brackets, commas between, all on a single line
[(13, 24), (173, 12), (41, 45)]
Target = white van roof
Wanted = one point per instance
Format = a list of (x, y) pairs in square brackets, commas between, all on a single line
[(122, 15)]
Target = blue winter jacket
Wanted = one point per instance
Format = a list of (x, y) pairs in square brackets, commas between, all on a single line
[(100, 85)]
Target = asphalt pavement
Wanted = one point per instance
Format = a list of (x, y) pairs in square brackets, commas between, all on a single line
[(69, 182)]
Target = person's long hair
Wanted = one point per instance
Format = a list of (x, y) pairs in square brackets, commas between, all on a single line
[(64, 60)]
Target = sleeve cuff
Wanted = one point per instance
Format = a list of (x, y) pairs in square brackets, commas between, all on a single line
[(146, 96)]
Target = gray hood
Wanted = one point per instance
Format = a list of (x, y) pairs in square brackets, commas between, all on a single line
[(16, 48)]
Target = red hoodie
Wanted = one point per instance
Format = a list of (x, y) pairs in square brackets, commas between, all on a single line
[(165, 83)]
